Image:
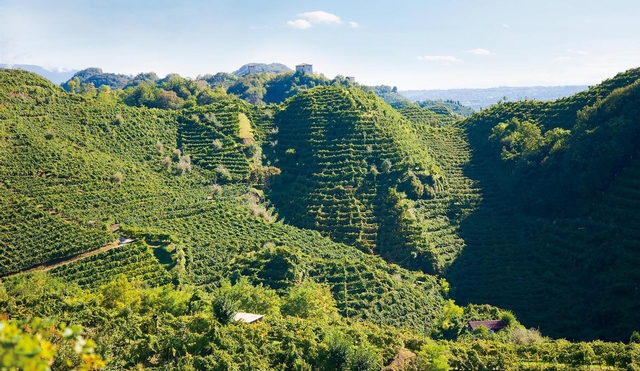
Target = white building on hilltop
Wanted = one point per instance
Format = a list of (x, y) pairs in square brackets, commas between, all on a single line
[(305, 68)]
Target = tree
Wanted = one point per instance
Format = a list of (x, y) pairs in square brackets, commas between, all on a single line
[(249, 298), (338, 351), (119, 293), (104, 94), (432, 357), (223, 309), (168, 100), (73, 84), (310, 300), (365, 358), (508, 318)]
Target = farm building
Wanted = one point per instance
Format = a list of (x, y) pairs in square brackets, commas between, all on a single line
[(305, 68), (247, 317), (492, 326)]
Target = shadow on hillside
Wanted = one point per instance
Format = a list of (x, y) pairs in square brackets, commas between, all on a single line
[(541, 269)]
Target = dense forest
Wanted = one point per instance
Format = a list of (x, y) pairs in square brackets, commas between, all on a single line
[(139, 216)]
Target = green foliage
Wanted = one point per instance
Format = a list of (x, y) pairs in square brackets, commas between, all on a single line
[(248, 298), (310, 300), (518, 138), (119, 293), (508, 318), (223, 309), (364, 358), (438, 208), (338, 351), (432, 357), (97, 78), (32, 346), (446, 106)]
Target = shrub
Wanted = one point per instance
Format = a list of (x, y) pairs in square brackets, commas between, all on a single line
[(223, 173), (386, 166), (50, 134), (184, 165), (253, 150), (260, 211), (166, 162), (482, 332), (217, 144), (338, 351), (523, 336), (159, 146), (117, 178), (119, 120), (216, 189), (177, 152)]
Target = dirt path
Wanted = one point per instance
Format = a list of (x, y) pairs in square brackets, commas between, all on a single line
[(70, 259)]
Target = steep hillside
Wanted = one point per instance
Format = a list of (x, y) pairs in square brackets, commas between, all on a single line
[(359, 172), (554, 227)]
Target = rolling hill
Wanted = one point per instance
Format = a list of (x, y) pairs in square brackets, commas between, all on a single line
[(73, 168), (349, 223)]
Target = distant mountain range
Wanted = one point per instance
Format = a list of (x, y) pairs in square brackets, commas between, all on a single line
[(483, 98), (56, 77), (262, 68)]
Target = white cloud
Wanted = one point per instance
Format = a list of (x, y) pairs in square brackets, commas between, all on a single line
[(479, 51), (579, 52), (299, 23), (320, 17), (561, 59), (438, 58), (505, 25), (354, 24)]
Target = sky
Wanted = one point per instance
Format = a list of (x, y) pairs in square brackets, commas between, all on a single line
[(411, 44)]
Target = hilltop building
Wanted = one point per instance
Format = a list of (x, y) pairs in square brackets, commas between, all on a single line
[(251, 68), (351, 79), (305, 68)]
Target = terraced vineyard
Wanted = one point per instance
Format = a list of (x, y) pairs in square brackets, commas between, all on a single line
[(228, 242), (73, 169), (212, 136), (136, 261), (368, 183), (341, 152), (30, 236)]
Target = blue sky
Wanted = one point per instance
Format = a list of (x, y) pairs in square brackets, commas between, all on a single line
[(430, 44)]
